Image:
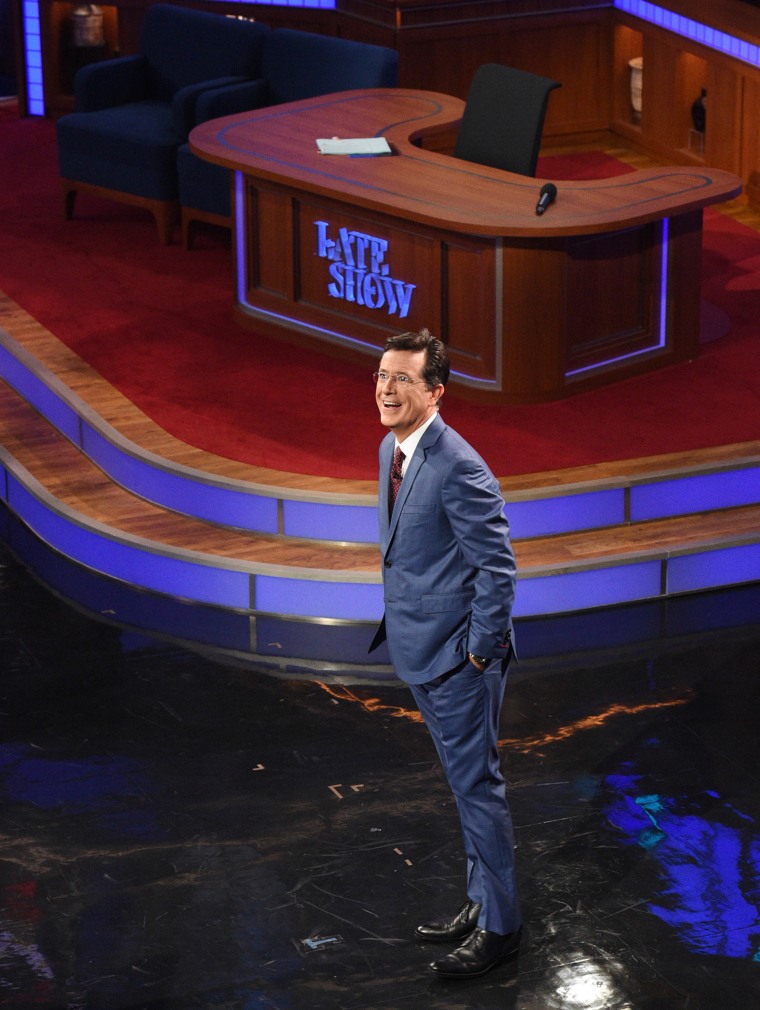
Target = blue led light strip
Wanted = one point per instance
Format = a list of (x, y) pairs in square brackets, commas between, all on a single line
[(694, 30), (328, 5), (35, 99)]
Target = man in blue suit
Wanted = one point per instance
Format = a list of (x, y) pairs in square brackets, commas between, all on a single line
[(449, 584)]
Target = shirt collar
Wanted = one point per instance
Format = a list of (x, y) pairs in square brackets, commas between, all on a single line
[(410, 443)]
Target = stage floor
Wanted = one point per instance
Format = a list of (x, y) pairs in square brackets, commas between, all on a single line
[(180, 834)]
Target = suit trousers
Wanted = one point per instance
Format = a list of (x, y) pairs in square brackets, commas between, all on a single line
[(461, 710)]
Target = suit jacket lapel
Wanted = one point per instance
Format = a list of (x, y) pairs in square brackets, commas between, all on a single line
[(431, 436), (386, 456)]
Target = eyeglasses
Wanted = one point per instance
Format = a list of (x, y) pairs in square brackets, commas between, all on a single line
[(400, 378)]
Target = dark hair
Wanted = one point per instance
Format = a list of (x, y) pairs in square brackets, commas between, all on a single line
[(435, 371)]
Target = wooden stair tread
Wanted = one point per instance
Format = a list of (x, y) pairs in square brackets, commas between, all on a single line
[(118, 411), (72, 479), (657, 536)]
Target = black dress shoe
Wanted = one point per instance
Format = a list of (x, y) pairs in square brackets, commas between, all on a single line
[(481, 951), (455, 928)]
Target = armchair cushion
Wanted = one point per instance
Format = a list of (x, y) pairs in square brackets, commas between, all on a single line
[(185, 102), (131, 148), (228, 100)]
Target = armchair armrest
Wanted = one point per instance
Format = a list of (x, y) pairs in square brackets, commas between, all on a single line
[(112, 82), (186, 100), (226, 101)]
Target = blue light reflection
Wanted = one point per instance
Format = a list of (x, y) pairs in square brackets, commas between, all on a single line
[(709, 858)]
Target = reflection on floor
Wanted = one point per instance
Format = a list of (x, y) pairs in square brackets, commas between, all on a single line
[(178, 833)]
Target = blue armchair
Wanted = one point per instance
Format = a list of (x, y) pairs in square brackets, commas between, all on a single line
[(294, 65), (132, 113)]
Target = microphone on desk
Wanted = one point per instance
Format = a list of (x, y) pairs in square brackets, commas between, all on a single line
[(547, 195)]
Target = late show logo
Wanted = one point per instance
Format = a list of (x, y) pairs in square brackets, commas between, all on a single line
[(359, 271)]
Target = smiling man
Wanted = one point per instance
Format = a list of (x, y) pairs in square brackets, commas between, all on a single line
[(449, 584)]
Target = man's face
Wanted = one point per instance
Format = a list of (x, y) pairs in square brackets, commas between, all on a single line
[(404, 406)]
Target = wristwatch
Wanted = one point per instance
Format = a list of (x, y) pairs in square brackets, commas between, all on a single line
[(478, 660)]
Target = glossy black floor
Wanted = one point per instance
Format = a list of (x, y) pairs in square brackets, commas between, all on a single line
[(179, 833)]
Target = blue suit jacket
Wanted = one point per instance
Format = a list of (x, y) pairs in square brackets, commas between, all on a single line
[(448, 565)]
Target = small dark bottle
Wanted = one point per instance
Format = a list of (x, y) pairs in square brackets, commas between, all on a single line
[(699, 112)]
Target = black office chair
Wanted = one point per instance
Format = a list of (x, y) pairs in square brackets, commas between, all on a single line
[(504, 118)]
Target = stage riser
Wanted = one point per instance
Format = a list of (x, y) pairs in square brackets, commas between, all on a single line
[(346, 596), (297, 619), (350, 518), (298, 649)]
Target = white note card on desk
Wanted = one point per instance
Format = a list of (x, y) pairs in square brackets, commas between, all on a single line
[(354, 145)]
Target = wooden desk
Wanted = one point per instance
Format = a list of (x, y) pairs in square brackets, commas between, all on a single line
[(350, 250)]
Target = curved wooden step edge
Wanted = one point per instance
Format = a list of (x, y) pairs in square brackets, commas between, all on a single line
[(348, 596), (185, 573), (247, 498), (222, 499)]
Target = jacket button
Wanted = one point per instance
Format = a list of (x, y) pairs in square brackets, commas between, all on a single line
[(389, 563)]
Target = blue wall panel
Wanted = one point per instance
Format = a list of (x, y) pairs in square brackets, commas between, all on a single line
[(600, 587), (549, 516), (701, 493)]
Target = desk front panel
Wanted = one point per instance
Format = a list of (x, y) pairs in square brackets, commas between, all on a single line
[(357, 277), (524, 320)]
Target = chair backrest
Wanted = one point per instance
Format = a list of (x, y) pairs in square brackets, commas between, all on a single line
[(184, 46), (504, 118), (298, 64)]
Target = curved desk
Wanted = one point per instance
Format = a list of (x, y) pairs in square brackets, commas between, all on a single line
[(349, 250)]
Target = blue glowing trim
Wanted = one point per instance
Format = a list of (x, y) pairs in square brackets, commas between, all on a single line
[(240, 236), (183, 493), (662, 326), (332, 335), (352, 601), (211, 502), (584, 590), (326, 5), (727, 567), (132, 563), (551, 516), (30, 20), (701, 493), (694, 30), (350, 523), (39, 395)]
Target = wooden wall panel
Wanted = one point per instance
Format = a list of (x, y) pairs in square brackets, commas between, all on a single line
[(534, 299), (471, 310), (579, 57), (613, 296), (723, 136), (750, 168), (270, 238)]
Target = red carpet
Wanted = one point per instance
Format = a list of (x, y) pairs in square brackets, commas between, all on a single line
[(156, 322)]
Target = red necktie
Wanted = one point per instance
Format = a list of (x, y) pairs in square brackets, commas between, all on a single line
[(395, 484)]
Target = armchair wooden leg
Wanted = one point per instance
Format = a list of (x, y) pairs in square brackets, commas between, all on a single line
[(166, 215), (192, 217), (69, 199), (165, 212)]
